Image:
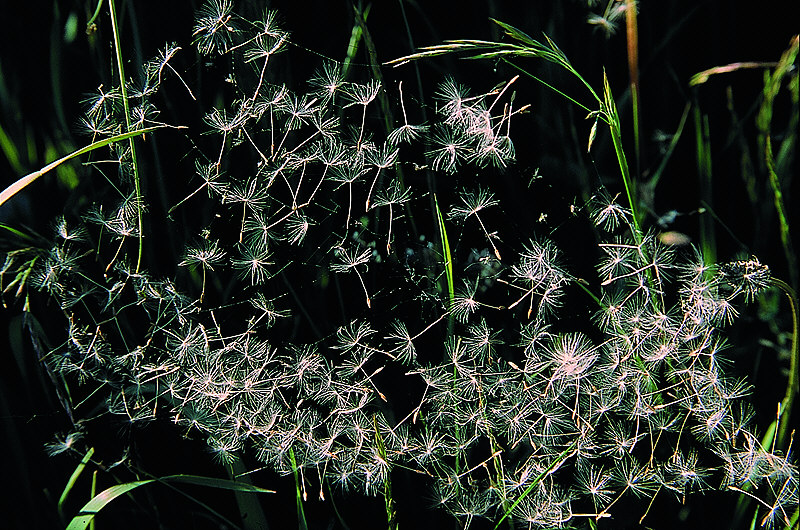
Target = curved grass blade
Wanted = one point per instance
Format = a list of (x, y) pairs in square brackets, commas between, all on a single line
[(20, 184), (102, 499)]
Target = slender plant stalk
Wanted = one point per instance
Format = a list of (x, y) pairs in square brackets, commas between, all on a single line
[(653, 181), (124, 91), (793, 385), (96, 13), (632, 31)]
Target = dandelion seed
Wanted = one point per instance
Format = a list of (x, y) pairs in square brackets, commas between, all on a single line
[(749, 277), (362, 94), (251, 193), (474, 203), (350, 260), (571, 356), (207, 255), (63, 444), (213, 28), (494, 150), (382, 158), (606, 213), (328, 81), (347, 174), (299, 109), (451, 148), (224, 448), (222, 122), (539, 265), (212, 181), (609, 20), (480, 342), (393, 195), (296, 228), (456, 100), (68, 233), (252, 261), (594, 481), (638, 479), (405, 133)]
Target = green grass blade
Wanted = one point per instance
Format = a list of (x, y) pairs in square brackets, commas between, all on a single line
[(91, 508), (517, 34), (20, 184), (18, 233), (448, 263), (10, 150), (302, 524), (253, 517), (704, 174), (102, 499), (780, 208), (71, 482), (388, 498), (355, 38), (30, 177), (555, 464)]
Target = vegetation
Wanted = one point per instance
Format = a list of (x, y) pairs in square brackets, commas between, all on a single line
[(334, 280)]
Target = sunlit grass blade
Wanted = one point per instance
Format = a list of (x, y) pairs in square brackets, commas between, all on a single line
[(391, 509), (20, 184), (448, 262), (71, 482), (704, 174), (9, 149), (102, 499), (301, 514), (555, 464)]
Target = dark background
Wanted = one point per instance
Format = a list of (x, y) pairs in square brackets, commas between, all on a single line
[(44, 76)]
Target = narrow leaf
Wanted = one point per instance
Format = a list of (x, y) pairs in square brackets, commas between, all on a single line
[(27, 179), (91, 508)]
